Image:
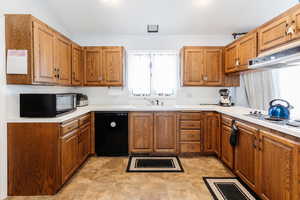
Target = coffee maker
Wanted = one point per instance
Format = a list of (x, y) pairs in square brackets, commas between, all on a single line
[(225, 98)]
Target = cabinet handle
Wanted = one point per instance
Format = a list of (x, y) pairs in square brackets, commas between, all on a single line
[(254, 143)]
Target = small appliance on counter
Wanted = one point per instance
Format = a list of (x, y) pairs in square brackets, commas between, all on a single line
[(81, 100), (279, 109), (46, 105), (225, 98)]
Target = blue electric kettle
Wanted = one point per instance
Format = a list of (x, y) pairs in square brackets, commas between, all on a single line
[(278, 110)]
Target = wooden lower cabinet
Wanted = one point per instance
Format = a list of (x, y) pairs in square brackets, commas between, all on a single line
[(152, 132), (212, 133), (141, 132), (227, 151), (69, 154), (165, 132), (278, 168), (43, 156), (246, 155), (84, 143)]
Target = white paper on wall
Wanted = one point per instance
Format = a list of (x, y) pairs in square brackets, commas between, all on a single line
[(16, 61)]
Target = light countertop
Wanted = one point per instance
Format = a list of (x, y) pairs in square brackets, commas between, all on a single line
[(236, 112)]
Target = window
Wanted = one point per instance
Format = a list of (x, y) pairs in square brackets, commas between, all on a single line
[(152, 73), (288, 79)]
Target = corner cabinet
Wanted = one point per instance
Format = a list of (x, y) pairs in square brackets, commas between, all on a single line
[(153, 132), (103, 66)]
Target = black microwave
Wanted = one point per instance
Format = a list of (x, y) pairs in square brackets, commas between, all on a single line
[(46, 105)]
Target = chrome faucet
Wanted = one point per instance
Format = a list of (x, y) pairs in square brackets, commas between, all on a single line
[(155, 102)]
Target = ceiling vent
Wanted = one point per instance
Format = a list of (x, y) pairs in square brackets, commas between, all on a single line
[(152, 28)]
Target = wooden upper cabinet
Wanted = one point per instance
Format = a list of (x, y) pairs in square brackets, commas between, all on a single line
[(247, 50), (274, 33), (63, 60), (231, 58), (295, 24), (103, 66), (192, 66), (141, 132), (93, 73), (278, 168), (165, 132), (49, 52), (44, 48), (212, 133), (213, 66), (113, 65), (246, 155), (202, 66), (77, 65)]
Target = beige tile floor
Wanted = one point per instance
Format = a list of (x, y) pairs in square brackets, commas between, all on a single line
[(106, 179)]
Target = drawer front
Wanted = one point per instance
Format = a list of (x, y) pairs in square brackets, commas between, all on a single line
[(190, 124), (190, 147), (66, 128), (190, 116), (226, 120), (190, 135), (84, 119)]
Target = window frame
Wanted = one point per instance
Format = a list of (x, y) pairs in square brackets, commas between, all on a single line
[(151, 52)]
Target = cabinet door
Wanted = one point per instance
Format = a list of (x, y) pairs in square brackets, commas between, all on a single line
[(84, 143), (295, 24), (69, 154), (231, 58), (212, 133), (246, 155), (227, 150), (278, 168), (247, 50), (93, 73), (44, 43), (165, 132), (63, 60), (141, 132), (193, 67), (213, 67), (274, 33), (113, 65), (77, 65)]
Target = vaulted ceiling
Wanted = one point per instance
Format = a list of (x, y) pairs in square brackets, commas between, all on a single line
[(175, 17)]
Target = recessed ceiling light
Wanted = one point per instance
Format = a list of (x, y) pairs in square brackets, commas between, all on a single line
[(202, 2), (110, 2)]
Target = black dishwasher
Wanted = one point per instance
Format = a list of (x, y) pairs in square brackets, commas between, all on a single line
[(111, 133)]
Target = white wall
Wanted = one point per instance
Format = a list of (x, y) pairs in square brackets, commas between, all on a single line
[(9, 94)]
